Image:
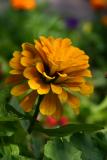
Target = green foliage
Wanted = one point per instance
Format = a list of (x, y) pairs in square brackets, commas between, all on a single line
[(68, 129), (89, 148), (26, 26), (79, 146), (11, 152), (61, 149)]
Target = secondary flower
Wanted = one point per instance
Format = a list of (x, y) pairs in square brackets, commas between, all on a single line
[(52, 67), (52, 122), (71, 23), (23, 4), (99, 4)]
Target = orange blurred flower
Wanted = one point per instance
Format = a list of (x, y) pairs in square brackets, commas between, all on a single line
[(23, 4), (99, 4), (52, 67), (104, 20)]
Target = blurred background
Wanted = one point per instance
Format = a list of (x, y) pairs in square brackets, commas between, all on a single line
[(83, 21)]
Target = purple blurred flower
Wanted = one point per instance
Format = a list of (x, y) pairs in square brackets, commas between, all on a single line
[(71, 23)]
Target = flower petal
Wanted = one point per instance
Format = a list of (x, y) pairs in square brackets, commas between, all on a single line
[(17, 54), (56, 89), (48, 77), (29, 47), (63, 96), (26, 62), (28, 102), (63, 75), (15, 63), (27, 53), (48, 104), (14, 79), (15, 72), (40, 67), (34, 83), (19, 89), (74, 103), (30, 73), (86, 88), (43, 89), (59, 110)]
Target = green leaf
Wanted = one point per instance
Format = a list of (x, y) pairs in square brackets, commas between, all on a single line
[(6, 129), (11, 149), (11, 152), (60, 149), (4, 94), (38, 142), (86, 144), (68, 129), (9, 118), (20, 115)]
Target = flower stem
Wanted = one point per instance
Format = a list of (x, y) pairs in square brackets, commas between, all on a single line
[(34, 118)]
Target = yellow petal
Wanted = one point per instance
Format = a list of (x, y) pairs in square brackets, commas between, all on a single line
[(56, 89), (19, 89), (29, 47), (26, 62), (14, 79), (84, 73), (48, 104), (62, 75), (15, 64), (87, 73), (28, 102), (66, 42), (48, 77), (38, 46), (40, 67), (15, 72), (27, 54), (75, 79), (30, 73), (17, 54), (75, 89), (86, 88), (63, 96), (34, 83), (59, 110), (74, 103), (43, 89)]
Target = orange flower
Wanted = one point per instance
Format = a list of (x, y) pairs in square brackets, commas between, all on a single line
[(53, 68), (104, 20), (99, 4), (23, 4)]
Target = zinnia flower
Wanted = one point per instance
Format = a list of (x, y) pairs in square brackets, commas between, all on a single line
[(52, 67), (23, 4), (99, 4)]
